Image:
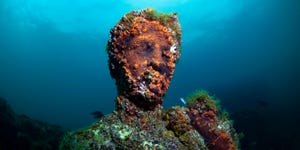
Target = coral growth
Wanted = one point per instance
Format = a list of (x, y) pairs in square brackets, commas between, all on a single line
[(143, 50)]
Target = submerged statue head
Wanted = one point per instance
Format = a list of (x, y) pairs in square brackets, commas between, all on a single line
[(143, 49)]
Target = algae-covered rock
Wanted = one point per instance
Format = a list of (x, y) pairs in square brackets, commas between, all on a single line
[(112, 133)]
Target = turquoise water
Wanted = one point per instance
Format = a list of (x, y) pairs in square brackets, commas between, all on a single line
[(53, 64)]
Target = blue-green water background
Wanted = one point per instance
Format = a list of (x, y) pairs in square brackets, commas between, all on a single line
[(53, 64)]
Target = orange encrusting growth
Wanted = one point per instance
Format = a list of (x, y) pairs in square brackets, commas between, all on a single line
[(142, 56)]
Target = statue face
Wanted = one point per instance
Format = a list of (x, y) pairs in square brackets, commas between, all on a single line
[(142, 60)]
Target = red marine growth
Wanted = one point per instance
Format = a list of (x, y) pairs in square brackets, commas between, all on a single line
[(202, 111)]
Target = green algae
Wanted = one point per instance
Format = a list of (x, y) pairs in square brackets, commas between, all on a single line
[(210, 102)]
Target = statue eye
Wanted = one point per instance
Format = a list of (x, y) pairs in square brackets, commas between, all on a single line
[(164, 48), (147, 46)]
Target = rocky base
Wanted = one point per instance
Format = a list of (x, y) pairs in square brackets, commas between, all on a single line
[(174, 128)]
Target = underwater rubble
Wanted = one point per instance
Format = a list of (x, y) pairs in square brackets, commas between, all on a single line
[(20, 132), (143, 50)]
